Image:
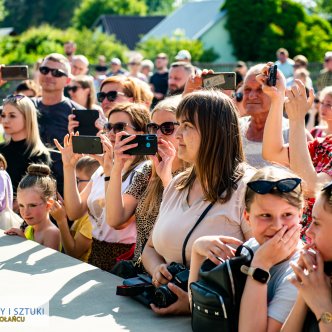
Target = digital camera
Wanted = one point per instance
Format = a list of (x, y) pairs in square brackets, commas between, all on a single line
[(163, 296)]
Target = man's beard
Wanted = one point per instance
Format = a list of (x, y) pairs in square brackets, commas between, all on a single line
[(175, 92)]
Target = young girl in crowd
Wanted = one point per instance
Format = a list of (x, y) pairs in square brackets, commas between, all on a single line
[(208, 139), (273, 209), (108, 243), (77, 240), (23, 147), (143, 196), (313, 308), (35, 197)]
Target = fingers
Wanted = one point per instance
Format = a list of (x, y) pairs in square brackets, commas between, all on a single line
[(57, 144)]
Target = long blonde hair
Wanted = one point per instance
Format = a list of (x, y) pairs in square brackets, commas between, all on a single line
[(26, 107)]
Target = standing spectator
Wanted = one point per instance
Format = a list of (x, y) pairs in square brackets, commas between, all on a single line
[(178, 76), (240, 71), (79, 65), (116, 68), (300, 63), (134, 67), (159, 80), (184, 56), (325, 77), (284, 63), (147, 67), (70, 49), (28, 88)]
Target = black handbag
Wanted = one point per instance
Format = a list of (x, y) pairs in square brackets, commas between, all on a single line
[(216, 297)]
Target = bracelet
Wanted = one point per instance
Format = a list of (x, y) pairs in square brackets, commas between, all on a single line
[(107, 178)]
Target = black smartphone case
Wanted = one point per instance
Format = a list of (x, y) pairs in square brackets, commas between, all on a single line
[(224, 81), (147, 145), (14, 73), (87, 145), (87, 119)]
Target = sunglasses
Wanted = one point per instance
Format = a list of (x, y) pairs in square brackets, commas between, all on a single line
[(78, 181), (167, 128), (54, 72), (264, 186), (117, 127), (328, 187), (73, 88), (13, 98), (110, 95)]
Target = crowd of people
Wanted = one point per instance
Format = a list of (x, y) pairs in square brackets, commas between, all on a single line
[(256, 160)]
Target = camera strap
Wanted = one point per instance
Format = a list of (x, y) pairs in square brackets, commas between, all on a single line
[(184, 260)]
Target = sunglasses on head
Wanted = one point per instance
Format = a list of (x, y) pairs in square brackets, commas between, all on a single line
[(73, 88), (110, 95), (167, 128), (117, 127), (264, 186), (54, 72), (13, 98)]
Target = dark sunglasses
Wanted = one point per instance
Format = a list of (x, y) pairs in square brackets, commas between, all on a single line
[(73, 88), (54, 72), (110, 95), (167, 128), (13, 98), (117, 127), (328, 187), (264, 186)]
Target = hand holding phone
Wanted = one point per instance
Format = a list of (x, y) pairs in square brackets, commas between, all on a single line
[(87, 144), (147, 145), (86, 119), (14, 73), (272, 76), (224, 81)]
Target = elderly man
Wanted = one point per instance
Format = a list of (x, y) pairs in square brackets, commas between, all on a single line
[(79, 65)]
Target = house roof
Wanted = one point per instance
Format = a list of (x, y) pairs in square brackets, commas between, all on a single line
[(7, 31), (194, 18), (127, 29)]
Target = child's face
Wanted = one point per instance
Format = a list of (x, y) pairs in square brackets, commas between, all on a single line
[(82, 180), (268, 214), (33, 208), (320, 229)]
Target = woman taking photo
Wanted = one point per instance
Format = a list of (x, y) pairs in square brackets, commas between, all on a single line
[(209, 140)]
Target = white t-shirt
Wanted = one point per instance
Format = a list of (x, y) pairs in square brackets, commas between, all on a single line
[(176, 218), (96, 209)]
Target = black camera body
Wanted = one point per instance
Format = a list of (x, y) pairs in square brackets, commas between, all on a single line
[(272, 78), (163, 296)]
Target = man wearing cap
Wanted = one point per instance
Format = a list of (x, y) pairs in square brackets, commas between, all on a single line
[(285, 65), (116, 68), (325, 77), (159, 80)]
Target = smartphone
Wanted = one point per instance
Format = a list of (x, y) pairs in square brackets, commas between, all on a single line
[(87, 144), (272, 78), (147, 145), (87, 119), (224, 81), (14, 73)]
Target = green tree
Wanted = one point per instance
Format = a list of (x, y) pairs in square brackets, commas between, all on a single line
[(277, 23), (23, 14), (172, 45), (3, 11), (160, 7), (89, 10), (36, 43)]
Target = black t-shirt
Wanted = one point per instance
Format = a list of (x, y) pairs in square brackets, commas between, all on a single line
[(160, 82), (53, 119), (18, 160)]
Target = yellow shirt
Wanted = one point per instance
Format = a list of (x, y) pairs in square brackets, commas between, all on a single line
[(83, 226)]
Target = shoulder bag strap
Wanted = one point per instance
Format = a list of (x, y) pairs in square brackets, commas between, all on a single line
[(184, 260)]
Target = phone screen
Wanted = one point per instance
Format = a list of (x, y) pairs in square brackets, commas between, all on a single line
[(223, 81)]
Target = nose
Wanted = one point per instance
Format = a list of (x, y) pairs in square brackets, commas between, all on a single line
[(252, 94), (278, 223)]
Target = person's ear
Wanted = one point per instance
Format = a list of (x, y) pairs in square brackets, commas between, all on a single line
[(49, 203), (246, 215)]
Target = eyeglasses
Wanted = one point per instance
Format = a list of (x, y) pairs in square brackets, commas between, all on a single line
[(117, 127), (110, 95), (73, 88), (54, 72), (13, 98), (78, 181), (325, 105), (167, 128), (264, 186), (133, 64)]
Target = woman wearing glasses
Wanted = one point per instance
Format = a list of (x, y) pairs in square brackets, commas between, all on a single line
[(23, 145), (209, 140), (82, 91), (108, 243), (273, 209), (313, 270), (143, 196)]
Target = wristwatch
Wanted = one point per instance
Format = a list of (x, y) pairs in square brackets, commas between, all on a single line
[(325, 318), (256, 273)]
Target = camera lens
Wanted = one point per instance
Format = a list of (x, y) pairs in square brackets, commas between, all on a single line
[(163, 297)]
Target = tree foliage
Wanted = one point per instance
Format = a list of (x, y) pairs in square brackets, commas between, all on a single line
[(35, 43), (89, 10), (23, 14), (3, 11), (160, 7), (172, 45), (277, 23)]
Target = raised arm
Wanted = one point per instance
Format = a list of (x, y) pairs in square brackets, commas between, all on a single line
[(297, 106), (274, 149)]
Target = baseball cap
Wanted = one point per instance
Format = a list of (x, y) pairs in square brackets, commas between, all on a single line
[(182, 55), (328, 55), (116, 61)]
